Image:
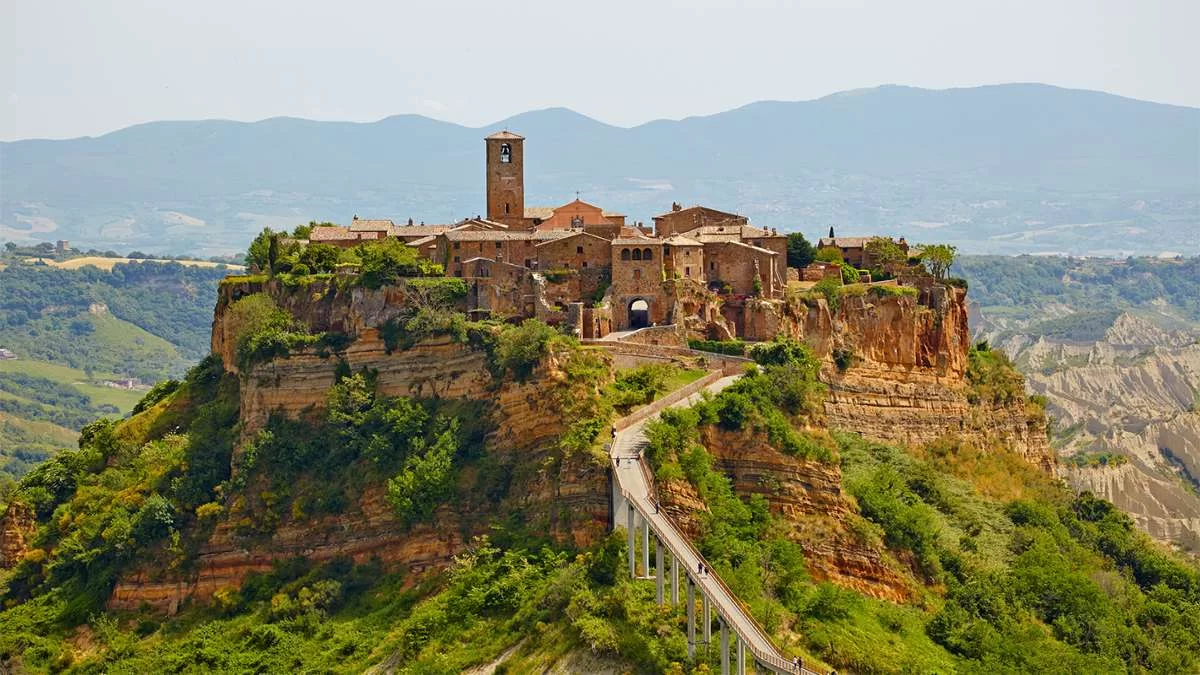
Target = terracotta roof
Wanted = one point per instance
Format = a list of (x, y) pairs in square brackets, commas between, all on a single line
[(332, 233), (680, 240), (363, 225), (542, 212), (693, 207), (418, 230), (745, 245), (636, 241), (494, 235), (573, 233), (844, 242), (505, 135), (423, 241)]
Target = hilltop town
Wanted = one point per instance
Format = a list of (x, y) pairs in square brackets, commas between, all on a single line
[(590, 272)]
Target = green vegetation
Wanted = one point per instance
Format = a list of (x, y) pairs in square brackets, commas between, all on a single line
[(938, 258), (1025, 284), (800, 252), (992, 377), (727, 347), (1095, 460), (884, 291)]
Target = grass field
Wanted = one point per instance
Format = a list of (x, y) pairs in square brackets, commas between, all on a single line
[(108, 263), (124, 400)]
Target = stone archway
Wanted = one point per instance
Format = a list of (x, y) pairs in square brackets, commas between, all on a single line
[(639, 313)]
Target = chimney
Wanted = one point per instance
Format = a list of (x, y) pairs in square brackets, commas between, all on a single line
[(410, 222), (676, 207)]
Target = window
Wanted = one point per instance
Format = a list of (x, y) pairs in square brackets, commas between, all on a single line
[(712, 266), (505, 158), (688, 253), (637, 273), (456, 259), (578, 249), (585, 263), (624, 254), (457, 245), (506, 208), (637, 254), (647, 254), (666, 251), (499, 245), (687, 271)]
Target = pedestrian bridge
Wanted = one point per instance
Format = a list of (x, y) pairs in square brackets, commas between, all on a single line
[(635, 508)]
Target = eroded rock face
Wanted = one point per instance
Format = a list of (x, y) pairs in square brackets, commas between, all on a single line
[(807, 495), (902, 376), (1133, 394), (17, 528), (564, 497)]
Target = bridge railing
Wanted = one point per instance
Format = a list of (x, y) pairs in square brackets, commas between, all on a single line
[(774, 660)]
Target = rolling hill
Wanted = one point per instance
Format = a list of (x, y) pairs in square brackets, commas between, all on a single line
[(1002, 169)]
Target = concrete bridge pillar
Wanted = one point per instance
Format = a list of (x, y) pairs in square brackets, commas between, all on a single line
[(659, 569), (674, 580), (691, 618), (629, 520), (741, 656), (706, 619), (645, 547), (724, 645)]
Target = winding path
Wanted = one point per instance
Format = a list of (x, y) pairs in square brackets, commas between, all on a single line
[(635, 483)]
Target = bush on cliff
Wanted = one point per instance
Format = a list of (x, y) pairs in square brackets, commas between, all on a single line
[(386, 261)]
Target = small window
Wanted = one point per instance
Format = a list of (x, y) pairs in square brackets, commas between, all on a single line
[(637, 254), (456, 259), (624, 254), (647, 254), (499, 245), (712, 266), (505, 158), (457, 245), (637, 273), (578, 249), (687, 271), (666, 251), (506, 208), (585, 263), (688, 253)]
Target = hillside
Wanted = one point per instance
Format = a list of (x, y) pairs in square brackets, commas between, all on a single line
[(362, 479), (78, 335), (1008, 168), (1114, 346)]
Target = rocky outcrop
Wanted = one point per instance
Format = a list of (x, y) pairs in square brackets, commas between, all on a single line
[(17, 527), (896, 368), (807, 495)]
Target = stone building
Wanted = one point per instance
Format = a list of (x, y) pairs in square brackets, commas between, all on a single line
[(854, 249), (582, 266)]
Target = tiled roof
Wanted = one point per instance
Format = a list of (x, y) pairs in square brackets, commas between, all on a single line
[(611, 214), (844, 242), (362, 225), (494, 235), (332, 233), (680, 240), (745, 245), (407, 231), (571, 234), (636, 241), (423, 241), (693, 208), (505, 135)]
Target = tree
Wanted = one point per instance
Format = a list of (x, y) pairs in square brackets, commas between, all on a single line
[(320, 257), (938, 258), (259, 252), (10, 246), (881, 253), (799, 252), (829, 254)]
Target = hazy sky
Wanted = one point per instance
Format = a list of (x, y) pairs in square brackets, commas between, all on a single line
[(85, 67)]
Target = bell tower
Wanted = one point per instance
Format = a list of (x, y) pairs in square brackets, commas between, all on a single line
[(505, 177)]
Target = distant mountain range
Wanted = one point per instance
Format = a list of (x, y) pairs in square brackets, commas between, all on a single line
[(1000, 169)]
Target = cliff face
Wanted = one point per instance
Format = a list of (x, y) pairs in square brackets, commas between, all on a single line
[(902, 371), (17, 527), (809, 498), (563, 497)]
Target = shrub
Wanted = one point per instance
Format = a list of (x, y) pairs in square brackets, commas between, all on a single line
[(832, 290), (157, 393), (727, 347), (387, 260), (519, 349)]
